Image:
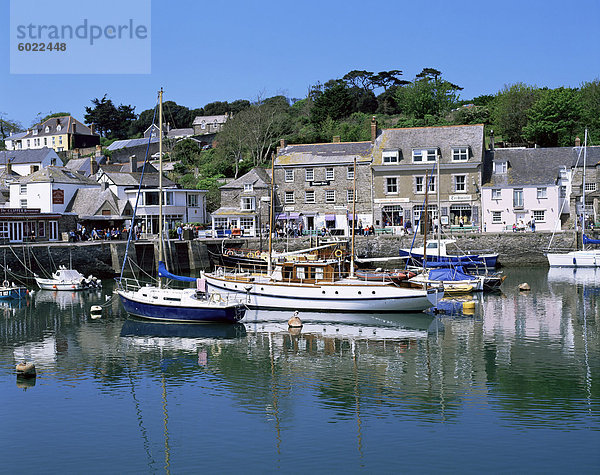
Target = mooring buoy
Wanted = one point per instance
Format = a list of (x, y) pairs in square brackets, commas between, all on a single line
[(295, 321), (96, 311), (468, 307), (524, 286), (26, 370)]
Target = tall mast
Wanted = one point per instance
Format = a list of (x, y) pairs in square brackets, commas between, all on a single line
[(353, 221), (269, 264), (425, 222), (160, 183), (583, 183), (439, 210)]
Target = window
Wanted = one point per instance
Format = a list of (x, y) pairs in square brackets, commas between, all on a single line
[(518, 197), (45, 140), (28, 143), (542, 193), (35, 131), (59, 127), (319, 273), (391, 185), (310, 174), (563, 191), (289, 196), (22, 189), (330, 196), (539, 215), (47, 129), (151, 198), (23, 203), (192, 201), (246, 223), (168, 198), (460, 154), (60, 140), (203, 125), (590, 187), (460, 183), (289, 174), (220, 222), (349, 195), (329, 175), (496, 194), (248, 187), (496, 217), (53, 141), (248, 203), (432, 184), (500, 167), (309, 196), (390, 157), (350, 173), (419, 184), (424, 155)]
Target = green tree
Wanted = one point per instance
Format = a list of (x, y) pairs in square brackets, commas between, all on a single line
[(110, 121), (335, 101), (553, 120), (509, 113), (590, 107), (8, 126)]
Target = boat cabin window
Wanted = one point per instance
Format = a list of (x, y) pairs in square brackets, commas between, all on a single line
[(301, 273), (432, 245), (319, 273)]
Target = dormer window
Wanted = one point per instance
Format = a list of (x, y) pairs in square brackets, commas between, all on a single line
[(47, 129), (460, 154), (390, 157), (35, 131), (424, 155), (248, 187), (58, 128), (500, 168)]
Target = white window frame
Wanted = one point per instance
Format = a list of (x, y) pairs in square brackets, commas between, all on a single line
[(47, 129), (349, 195), (329, 196), (424, 155), (248, 187), (496, 193), (309, 174), (289, 175), (248, 203), (23, 203), (330, 174), (457, 184), (539, 215), (22, 189), (350, 173), (193, 201), (590, 186), (431, 183), (309, 196), (420, 185), (496, 217), (500, 168), (460, 154), (391, 183), (289, 197), (542, 193), (391, 157)]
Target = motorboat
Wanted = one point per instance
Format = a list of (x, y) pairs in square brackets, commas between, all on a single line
[(437, 251), (67, 279)]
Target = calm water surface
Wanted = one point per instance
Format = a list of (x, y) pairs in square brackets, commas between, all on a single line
[(512, 388)]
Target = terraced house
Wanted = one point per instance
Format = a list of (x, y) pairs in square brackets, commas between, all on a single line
[(315, 185), (404, 167), (59, 133)]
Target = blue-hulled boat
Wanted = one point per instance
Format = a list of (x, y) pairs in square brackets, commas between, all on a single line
[(488, 260), (10, 291)]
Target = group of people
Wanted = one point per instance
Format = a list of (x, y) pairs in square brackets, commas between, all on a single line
[(520, 226)]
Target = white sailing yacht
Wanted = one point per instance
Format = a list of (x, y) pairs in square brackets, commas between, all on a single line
[(584, 257)]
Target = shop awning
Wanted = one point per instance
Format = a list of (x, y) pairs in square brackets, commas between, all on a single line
[(294, 215), (330, 217), (282, 216)]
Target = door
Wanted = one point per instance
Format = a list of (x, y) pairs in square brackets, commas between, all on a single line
[(16, 231)]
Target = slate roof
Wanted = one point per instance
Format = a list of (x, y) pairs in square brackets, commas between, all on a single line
[(68, 124), (258, 177), (444, 138), (227, 211), (133, 179), (125, 167), (16, 136), (176, 133), (82, 165), (57, 175), (220, 119), (324, 153), (89, 201), (28, 156), (119, 144), (538, 166)]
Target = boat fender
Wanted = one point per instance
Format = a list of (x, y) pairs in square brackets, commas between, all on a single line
[(295, 321), (229, 253), (5, 284), (338, 253)]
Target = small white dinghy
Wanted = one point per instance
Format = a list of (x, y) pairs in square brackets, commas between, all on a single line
[(67, 279)]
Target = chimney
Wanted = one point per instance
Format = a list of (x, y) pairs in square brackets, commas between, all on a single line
[(92, 126), (373, 129), (133, 163), (336, 139), (74, 128), (98, 151), (577, 142), (93, 166), (283, 143), (492, 145), (8, 168)]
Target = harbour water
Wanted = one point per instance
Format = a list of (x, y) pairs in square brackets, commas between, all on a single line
[(512, 387)]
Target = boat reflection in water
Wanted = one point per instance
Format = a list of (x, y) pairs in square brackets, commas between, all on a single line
[(142, 328), (574, 275), (350, 325), (65, 300)]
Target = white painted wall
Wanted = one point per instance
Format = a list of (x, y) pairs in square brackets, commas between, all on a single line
[(39, 195)]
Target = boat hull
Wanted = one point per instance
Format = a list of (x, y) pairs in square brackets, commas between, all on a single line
[(50, 284), (10, 293), (190, 312), (487, 260), (575, 259), (325, 297)]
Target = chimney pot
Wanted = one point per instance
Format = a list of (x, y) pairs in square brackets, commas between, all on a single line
[(577, 142), (98, 151), (492, 144), (133, 163), (373, 129), (93, 166), (283, 143)]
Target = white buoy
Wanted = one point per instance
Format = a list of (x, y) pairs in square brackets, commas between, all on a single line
[(524, 286), (295, 321), (96, 311), (26, 370)]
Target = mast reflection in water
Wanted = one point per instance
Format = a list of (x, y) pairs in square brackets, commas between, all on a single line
[(513, 387)]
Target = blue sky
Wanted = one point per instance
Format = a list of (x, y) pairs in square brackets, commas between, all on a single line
[(208, 51)]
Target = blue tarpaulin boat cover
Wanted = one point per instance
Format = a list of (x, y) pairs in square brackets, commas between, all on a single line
[(163, 272), (451, 274), (587, 240)]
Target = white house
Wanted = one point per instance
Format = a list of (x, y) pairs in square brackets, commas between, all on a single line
[(13, 141), (525, 185), (25, 162)]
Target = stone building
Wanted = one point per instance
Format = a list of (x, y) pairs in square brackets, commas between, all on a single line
[(404, 166), (315, 185)]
